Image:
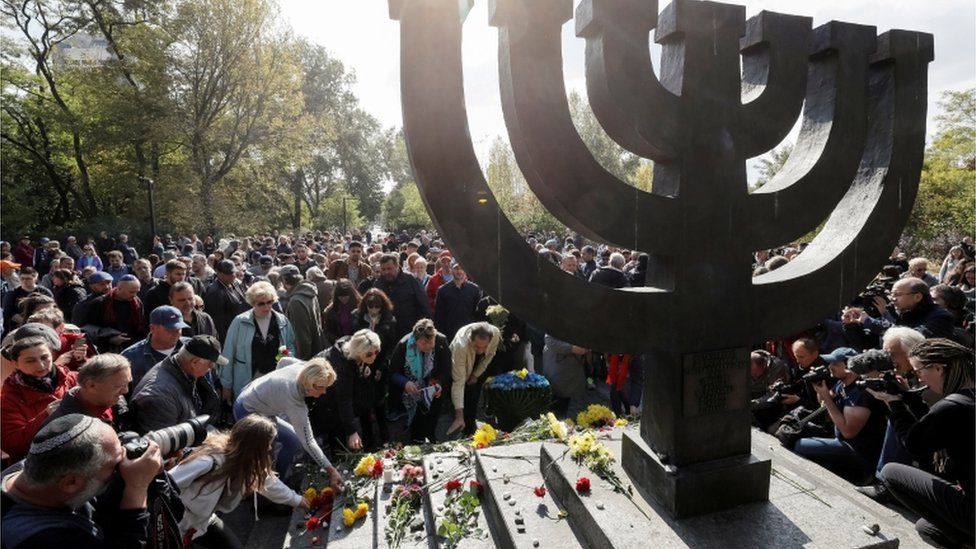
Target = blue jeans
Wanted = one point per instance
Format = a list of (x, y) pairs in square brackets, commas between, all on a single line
[(892, 450), (287, 441), (834, 454)]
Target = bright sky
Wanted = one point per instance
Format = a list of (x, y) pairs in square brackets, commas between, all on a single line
[(361, 34)]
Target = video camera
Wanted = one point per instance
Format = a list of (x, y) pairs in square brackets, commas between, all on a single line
[(818, 374), (865, 299), (775, 395), (171, 439), (886, 383)]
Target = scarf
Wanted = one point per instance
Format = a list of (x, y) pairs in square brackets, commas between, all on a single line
[(419, 366), (44, 384), (618, 369), (136, 317)]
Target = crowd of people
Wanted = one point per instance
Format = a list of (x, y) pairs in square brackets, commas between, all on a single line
[(323, 343)]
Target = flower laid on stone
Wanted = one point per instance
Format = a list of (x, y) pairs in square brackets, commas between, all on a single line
[(453, 484), (351, 514), (556, 427), (621, 422), (475, 487), (539, 491), (411, 473), (312, 523), (596, 416), (484, 436), (369, 466), (582, 485)]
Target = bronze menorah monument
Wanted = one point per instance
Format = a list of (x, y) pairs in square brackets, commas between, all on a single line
[(728, 90)]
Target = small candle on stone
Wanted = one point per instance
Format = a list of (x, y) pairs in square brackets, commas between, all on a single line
[(387, 471)]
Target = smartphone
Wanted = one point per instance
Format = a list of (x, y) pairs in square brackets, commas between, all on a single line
[(80, 342)]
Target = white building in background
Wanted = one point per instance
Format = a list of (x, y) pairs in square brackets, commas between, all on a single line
[(81, 50)]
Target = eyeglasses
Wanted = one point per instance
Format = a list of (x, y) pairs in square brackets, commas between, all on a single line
[(264, 303)]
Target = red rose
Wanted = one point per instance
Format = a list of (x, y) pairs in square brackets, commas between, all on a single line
[(453, 484), (475, 487), (582, 485), (539, 491), (377, 469), (312, 523)]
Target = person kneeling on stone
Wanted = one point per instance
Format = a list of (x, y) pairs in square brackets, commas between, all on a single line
[(471, 352), (281, 395), (859, 424), (221, 472), (945, 435)]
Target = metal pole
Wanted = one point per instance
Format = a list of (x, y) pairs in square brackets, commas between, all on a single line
[(152, 206)]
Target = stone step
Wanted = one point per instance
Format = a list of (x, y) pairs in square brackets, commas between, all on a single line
[(519, 518), (438, 469)]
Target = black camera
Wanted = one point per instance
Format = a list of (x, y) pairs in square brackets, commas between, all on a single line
[(170, 439), (865, 299), (818, 374), (887, 383)]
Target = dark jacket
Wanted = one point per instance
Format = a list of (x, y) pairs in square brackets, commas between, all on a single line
[(333, 412), (387, 330), (927, 317), (223, 303), (200, 324), (610, 277), (409, 300), (142, 358), (340, 269), (455, 307), (398, 370), (306, 320), (164, 397), (156, 297), (11, 307), (66, 297)]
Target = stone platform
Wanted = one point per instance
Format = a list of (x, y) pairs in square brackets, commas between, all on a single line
[(808, 507)]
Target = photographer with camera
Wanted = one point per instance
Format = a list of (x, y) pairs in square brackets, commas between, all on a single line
[(857, 417), (911, 306), (224, 470), (45, 501), (945, 435)]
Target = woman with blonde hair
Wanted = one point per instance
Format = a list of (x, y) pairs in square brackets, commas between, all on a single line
[(281, 395), (345, 415), (254, 339), (221, 472)]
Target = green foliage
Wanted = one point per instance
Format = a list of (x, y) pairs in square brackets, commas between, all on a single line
[(404, 208), (241, 125)]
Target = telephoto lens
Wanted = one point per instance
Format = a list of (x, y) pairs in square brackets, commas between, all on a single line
[(171, 439)]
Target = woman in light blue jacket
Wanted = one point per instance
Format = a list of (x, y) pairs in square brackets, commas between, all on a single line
[(253, 341)]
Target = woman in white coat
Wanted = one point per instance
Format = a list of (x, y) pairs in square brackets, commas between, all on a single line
[(221, 472)]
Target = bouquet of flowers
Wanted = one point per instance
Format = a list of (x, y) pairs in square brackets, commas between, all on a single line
[(512, 397)]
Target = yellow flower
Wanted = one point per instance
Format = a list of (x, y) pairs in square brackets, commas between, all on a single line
[(484, 436), (348, 516), (557, 427), (365, 466), (311, 494), (521, 374), (596, 415), (620, 422), (361, 510)]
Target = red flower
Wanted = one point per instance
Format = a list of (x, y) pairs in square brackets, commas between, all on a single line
[(539, 491), (312, 523), (582, 485), (453, 484), (481, 445), (475, 487), (377, 469)]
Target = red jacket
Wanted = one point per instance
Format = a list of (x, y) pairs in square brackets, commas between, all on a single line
[(435, 281), (23, 410)]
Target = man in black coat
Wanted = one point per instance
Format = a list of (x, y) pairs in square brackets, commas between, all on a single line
[(456, 302), (408, 296), (613, 274), (224, 299)]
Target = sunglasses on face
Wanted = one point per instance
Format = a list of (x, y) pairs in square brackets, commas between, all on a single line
[(264, 303)]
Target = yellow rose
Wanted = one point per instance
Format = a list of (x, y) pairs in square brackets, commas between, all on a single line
[(311, 494), (361, 510), (365, 466), (620, 422), (348, 516)]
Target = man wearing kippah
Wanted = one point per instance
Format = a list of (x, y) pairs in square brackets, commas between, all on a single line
[(46, 500)]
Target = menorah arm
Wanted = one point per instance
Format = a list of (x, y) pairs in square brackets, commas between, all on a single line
[(868, 221), (620, 82), (829, 147), (556, 163), (775, 49), (467, 215)]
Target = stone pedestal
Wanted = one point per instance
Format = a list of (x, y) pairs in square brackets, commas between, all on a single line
[(695, 489)]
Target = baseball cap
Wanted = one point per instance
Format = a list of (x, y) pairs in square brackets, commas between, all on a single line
[(289, 270), (100, 276), (225, 266), (840, 354), (205, 347), (168, 317)]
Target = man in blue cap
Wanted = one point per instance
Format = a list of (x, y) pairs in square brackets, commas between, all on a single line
[(859, 423), (165, 325)]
